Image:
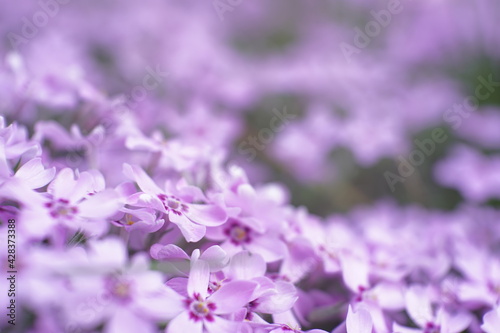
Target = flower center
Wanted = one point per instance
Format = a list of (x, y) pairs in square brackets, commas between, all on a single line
[(364, 294), (289, 329), (494, 287), (213, 286), (173, 204), (331, 252), (128, 219), (238, 234), (120, 289), (61, 209), (200, 309), (430, 327), (251, 306)]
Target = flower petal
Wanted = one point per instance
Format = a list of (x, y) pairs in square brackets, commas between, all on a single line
[(34, 174), (401, 329), (107, 255), (164, 304), (455, 323), (100, 205), (167, 252), (232, 296), (127, 321), (4, 166), (220, 325), (354, 272), (142, 199), (137, 174), (418, 305), (192, 232), (198, 279), (270, 248), (182, 323), (358, 322), (389, 296), (207, 215), (281, 301), (245, 266), (491, 321), (179, 285), (64, 183), (216, 257)]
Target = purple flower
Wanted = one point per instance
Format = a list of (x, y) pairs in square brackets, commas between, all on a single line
[(419, 308), (270, 297), (177, 204), (214, 256), (482, 272), (491, 321), (124, 295), (482, 181), (359, 321), (488, 120), (31, 175), (254, 222), (124, 142), (74, 201), (241, 234), (141, 219), (201, 311)]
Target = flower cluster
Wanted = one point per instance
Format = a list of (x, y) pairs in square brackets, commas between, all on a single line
[(110, 252), (219, 167)]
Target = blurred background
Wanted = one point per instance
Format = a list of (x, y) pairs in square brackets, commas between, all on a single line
[(344, 102)]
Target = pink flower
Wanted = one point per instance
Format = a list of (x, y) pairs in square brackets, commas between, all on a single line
[(202, 311), (359, 321), (491, 321), (419, 308), (191, 218), (482, 271), (214, 256), (75, 201), (256, 219), (31, 174), (125, 295), (242, 234)]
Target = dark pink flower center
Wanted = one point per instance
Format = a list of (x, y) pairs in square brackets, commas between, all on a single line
[(61, 208), (200, 309), (238, 234), (330, 252), (251, 308), (362, 294), (213, 286), (173, 204), (430, 327), (278, 277), (494, 287), (119, 289)]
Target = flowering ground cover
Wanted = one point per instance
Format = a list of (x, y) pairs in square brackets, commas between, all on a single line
[(237, 166)]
